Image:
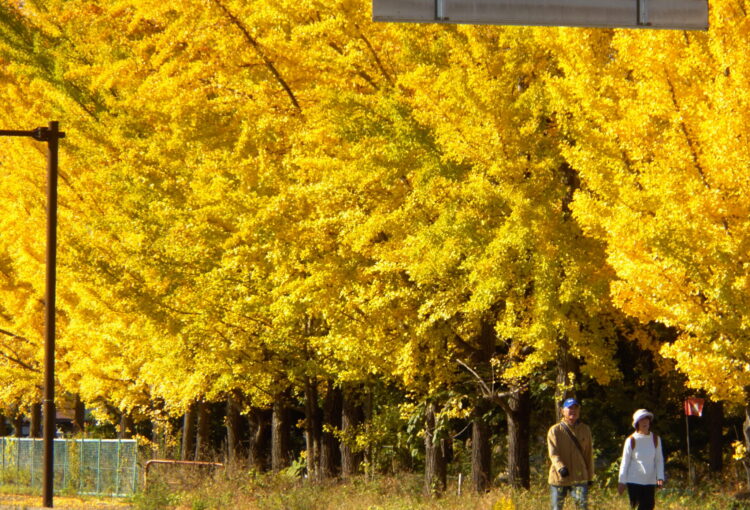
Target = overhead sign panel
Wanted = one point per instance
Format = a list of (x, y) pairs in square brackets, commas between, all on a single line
[(674, 14)]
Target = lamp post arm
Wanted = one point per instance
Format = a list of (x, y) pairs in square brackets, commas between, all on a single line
[(14, 132), (41, 134)]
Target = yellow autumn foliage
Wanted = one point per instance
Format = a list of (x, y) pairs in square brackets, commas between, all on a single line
[(265, 193)]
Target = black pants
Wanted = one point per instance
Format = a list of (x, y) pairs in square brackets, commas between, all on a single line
[(642, 496)]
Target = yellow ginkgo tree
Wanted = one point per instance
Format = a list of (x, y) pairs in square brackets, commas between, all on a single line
[(655, 123)]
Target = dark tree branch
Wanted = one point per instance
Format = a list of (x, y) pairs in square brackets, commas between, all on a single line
[(488, 392), (259, 51)]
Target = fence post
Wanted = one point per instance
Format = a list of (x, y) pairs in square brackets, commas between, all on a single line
[(81, 470), (99, 468), (65, 463), (117, 468), (33, 464), (135, 467)]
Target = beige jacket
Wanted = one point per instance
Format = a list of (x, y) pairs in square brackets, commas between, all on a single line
[(564, 452)]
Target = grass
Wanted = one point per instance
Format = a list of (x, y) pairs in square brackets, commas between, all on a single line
[(245, 490), (402, 492)]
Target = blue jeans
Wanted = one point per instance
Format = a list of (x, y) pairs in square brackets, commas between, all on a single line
[(580, 494)]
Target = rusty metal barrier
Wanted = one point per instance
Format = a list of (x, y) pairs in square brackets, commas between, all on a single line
[(176, 462)]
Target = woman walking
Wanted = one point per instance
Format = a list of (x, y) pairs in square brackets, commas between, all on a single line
[(642, 466)]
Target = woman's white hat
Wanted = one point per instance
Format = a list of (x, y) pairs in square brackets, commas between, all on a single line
[(639, 415)]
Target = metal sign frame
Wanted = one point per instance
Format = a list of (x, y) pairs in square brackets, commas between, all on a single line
[(661, 14)]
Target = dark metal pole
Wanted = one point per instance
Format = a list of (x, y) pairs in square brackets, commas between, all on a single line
[(53, 136)]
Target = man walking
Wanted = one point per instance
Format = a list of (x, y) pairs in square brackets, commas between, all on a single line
[(572, 455)]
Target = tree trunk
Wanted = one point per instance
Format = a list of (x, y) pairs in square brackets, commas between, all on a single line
[(330, 454), (746, 423), (18, 425), (518, 420), (280, 432), (352, 415), (3, 426), (746, 432), (188, 434), (481, 454), (232, 424), (79, 416), (148, 429), (435, 479), (312, 429), (481, 451), (259, 421), (369, 408), (716, 437), (126, 426), (567, 369), (202, 432), (35, 423)]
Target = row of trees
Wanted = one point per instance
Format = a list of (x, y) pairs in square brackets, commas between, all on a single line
[(269, 203)]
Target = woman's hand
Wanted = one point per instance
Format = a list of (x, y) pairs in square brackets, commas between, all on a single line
[(660, 483), (620, 488)]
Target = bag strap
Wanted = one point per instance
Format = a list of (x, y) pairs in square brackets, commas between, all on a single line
[(654, 436), (574, 439)]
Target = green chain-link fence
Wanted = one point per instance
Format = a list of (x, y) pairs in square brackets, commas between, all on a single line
[(84, 466)]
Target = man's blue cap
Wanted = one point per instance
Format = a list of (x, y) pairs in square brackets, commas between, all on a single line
[(570, 402)]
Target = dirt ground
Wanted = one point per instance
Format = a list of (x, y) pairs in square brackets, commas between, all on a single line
[(8, 502)]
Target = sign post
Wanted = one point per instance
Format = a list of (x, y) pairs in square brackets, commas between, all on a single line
[(693, 407)]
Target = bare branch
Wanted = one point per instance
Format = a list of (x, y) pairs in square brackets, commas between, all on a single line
[(17, 361), (13, 335), (251, 40), (490, 393), (376, 57), (485, 389)]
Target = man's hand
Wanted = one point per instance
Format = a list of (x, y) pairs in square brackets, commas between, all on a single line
[(563, 471), (660, 484), (620, 488)]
